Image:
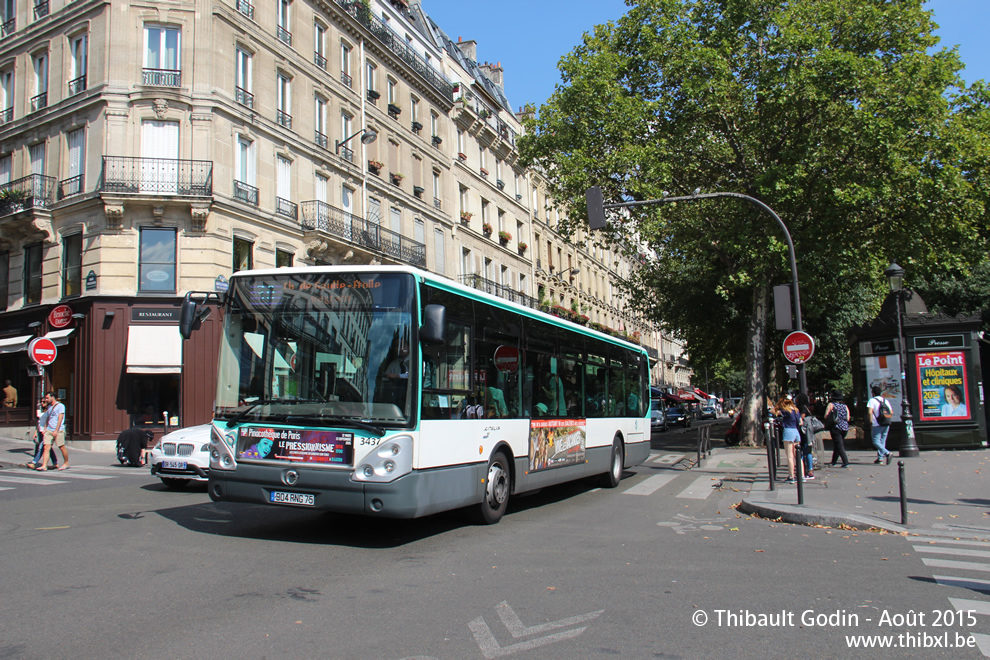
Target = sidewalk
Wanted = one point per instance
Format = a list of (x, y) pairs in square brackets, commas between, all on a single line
[(15, 452), (945, 491)]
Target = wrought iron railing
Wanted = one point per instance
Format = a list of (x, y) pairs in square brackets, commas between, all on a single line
[(322, 139), (501, 290), (320, 61), (397, 44), (69, 187), (346, 154), (245, 193), (162, 77), (286, 208), (34, 191), (246, 8), (9, 27), (77, 85), (283, 118), (166, 176), (6, 115), (283, 35), (323, 217), (437, 203), (39, 102), (244, 97), (346, 79), (40, 9)]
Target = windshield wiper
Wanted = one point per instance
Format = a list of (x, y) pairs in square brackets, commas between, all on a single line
[(236, 419), (339, 421)]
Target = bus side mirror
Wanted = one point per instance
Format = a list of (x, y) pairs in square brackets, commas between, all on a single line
[(187, 316), (434, 328)]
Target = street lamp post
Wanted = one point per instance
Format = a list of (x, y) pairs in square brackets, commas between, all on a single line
[(895, 274)]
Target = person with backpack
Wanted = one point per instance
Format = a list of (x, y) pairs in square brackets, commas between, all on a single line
[(880, 415), (837, 424)]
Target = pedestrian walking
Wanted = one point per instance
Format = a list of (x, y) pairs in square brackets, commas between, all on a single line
[(803, 403), (39, 443), (790, 417), (9, 395), (838, 429), (55, 431), (878, 431)]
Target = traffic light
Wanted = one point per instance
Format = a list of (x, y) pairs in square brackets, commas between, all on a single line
[(596, 210)]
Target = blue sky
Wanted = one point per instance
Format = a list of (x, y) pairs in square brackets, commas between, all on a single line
[(529, 36)]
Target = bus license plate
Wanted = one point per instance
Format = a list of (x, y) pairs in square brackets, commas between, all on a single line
[(301, 499), (174, 465)]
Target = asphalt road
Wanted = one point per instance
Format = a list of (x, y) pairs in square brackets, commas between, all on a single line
[(128, 569)]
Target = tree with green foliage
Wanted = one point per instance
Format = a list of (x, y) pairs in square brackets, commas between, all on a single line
[(831, 112)]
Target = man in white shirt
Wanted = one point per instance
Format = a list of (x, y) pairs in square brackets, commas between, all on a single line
[(878, 432)]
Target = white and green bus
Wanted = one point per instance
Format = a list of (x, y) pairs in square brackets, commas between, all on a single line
[(388, 391)]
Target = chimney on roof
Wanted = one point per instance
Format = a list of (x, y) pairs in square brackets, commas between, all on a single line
[(493, 71), (469, 48)]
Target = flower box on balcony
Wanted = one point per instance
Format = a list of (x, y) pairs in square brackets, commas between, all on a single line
[(461, 157), (436, 140), (504, 236), (500, 184), (522, 247), (466, 216), (375, 166), (487, 228), (373, 96), (418, 191), (393, 109), (417, 126), (396, 178), (484, 172)]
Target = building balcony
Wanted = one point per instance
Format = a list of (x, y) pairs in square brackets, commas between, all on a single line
[(345, 153), (162, 77), (283, 35), (244, 97), (40, 9), (246, 8), (286, 208), (156, 176), (39, 102), (77, 85), (69, 187), (34, 191), (245, 193), (321, 217), (8, 28), (283, 119), (346, 79), (6, 116), (320, 61), (500, 290)]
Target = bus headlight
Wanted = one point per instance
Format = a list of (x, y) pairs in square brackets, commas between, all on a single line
[(388, 462), (221, 451)]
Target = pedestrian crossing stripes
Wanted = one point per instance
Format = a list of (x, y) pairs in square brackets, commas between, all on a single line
[(963, 549), (668, 459), (652, 484), (53, 477), (699, 489)]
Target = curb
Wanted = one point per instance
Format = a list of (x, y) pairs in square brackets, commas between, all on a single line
[(800, 515)]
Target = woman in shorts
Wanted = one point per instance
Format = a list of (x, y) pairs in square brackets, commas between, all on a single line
[(790, 418)]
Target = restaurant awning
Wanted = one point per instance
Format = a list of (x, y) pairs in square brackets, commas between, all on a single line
[(154, 349), (15, 344), (60, 337)]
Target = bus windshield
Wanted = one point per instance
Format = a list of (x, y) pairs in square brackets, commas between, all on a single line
[(318, 349)]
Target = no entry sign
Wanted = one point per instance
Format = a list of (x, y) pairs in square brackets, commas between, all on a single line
[(42, 351), (799, 347)]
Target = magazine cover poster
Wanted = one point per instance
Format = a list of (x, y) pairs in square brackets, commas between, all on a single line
[(942, 380), (303, 446), (556, 442)]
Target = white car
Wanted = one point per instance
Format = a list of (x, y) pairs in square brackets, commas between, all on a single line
[(182, 456)]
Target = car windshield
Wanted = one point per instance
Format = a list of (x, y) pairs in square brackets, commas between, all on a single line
[(317, 348)]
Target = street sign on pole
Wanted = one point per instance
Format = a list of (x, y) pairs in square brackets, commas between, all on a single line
[(799, 347), (42, 351)]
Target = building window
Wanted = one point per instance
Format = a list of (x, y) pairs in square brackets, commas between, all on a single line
[(345, 65), (282, 30), (7, 92), (322, 186), (321, 123), (347, 199), (37, 152), (242, 82), (32, 274), (77, 64), (283, 259), (439, 259), (76, 145), (72, 266), (161, 61), (371, 71), (283, 99), (245, 172), (156, 266), (243, 254), (5, 280), (320, 48), (39, 97)]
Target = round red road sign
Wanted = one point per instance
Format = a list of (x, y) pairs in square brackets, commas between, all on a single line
[(60, 317), (507, 359), (42, 351), (799, 347)]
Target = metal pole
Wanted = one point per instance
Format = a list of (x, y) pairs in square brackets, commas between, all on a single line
[(909, 449), (901, 478)]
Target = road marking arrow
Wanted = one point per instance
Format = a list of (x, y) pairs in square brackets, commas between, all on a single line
[(492, 649)]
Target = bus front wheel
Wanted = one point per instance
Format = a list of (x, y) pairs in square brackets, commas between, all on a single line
[(497, 487), (612, 478)]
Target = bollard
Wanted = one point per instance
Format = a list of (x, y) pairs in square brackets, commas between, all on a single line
[(771, 468), (901, 479)]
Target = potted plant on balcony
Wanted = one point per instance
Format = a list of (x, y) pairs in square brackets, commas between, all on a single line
[(466, 217), (397, 178), (522, 248), (393, 109), (500, 184), (418, 191), (436, 140), (504, 237), (417, 126), (487, 229), (461, 156), (375, 166), (373, 95), (484, 172), (12, 199)]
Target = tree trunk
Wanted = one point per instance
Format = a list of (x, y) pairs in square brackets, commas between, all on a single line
[(751, 428)]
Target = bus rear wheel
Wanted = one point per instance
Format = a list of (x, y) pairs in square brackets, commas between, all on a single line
[(612, 478), (497, 486)]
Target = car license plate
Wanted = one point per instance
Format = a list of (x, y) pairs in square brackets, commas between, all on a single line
[(301, 499), (174, 465)]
